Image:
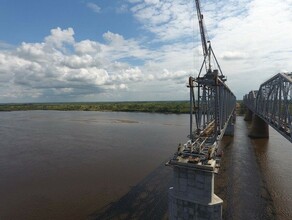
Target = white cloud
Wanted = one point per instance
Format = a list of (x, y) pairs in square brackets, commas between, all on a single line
[(113, 38), (94, 7), (167, 19), (233, 55), (58, 37), (122, 9), (90, 69), (117, 47), (251, 38), (123, 86), (152, 1), (260, 39), (87, 47)]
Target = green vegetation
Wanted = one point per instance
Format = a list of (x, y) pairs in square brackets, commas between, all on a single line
[(176, 107), (240, 107)]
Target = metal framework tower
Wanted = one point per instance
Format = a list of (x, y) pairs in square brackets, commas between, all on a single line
[(212, 106)]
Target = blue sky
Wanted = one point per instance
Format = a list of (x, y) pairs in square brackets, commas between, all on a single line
[(135, 50), (32, 20)]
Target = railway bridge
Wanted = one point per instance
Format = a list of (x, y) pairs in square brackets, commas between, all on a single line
[(271, 105), (212, 115)]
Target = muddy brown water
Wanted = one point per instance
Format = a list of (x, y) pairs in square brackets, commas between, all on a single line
[(70, 165)]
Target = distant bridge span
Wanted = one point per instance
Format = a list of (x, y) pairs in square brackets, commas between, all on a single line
[(272, 103)]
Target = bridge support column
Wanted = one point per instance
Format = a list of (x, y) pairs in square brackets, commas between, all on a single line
[(259, 128), (230, 127), (248, 115), (192, 196)]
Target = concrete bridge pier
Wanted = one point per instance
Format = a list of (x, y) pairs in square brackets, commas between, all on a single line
[(259, 128), (192, 195), (248, 115), (230, 127)]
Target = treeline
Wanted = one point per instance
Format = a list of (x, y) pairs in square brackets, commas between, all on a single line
[(240, 108), (176, 107)]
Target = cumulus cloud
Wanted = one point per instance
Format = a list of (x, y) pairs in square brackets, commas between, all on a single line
[(87, 47), (179, 76), (113, 38), (258, 38), (119, 48), (248, 36), (58, 37), (168, 19), (61, 68), (233, 55), (49, 68)]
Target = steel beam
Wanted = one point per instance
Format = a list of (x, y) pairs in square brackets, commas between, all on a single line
[(273, 103)]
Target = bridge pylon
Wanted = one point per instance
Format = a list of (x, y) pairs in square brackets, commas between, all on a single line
[(229, 131), (192, 195), (259, 128), (248, 115)]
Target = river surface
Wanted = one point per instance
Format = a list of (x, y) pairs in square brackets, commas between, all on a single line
[(68, 165)]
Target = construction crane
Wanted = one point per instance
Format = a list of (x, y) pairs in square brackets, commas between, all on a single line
[(199, 158), (206, 105), (206, 45), (206, 51)]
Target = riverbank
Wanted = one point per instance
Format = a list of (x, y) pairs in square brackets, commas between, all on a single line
[(175, 107)]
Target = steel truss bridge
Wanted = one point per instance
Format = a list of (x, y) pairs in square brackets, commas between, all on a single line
[(211, 101), (273, 103), (212, 104), (212, 107)]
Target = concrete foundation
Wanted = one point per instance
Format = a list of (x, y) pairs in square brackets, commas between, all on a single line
[(230, 127), (259, 128), (192, 196), (248, 115)]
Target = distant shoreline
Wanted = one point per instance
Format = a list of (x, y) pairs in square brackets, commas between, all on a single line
[(167, 107), (176, 107)]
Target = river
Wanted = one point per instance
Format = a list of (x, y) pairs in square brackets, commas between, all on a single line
[(67, 165)]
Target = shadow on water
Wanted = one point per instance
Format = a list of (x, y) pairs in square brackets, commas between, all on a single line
[(223, 184), (147, 200), (240, 182)]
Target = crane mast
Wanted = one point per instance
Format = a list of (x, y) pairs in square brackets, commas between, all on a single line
[(202, 29), (206, 45), (206, 49)]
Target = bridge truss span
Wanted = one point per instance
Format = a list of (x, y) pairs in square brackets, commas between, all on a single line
[(273, 103), (213, 105)]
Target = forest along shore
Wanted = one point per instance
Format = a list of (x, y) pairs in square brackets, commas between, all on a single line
[(174, 107)]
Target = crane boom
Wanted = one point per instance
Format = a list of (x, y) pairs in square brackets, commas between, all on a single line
[(202, 29)]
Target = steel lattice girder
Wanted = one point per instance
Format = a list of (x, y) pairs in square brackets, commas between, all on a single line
[(273, 103), (216, 104)]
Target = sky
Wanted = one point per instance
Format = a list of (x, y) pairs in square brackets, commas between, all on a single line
[(136, 50)]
